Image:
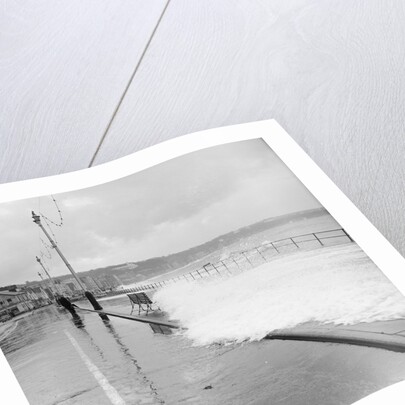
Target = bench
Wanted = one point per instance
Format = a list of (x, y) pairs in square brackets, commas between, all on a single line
[(142, 300)]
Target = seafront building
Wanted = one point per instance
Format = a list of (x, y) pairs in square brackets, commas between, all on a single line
[(70, 285), (90, 283), (95, 284), (40, 296), (13, 303), (15, 300)]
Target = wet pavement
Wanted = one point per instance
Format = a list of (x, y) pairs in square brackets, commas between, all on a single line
[(63, 360)]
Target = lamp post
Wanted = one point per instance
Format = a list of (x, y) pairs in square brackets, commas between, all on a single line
[(88, 294), (55, 290)]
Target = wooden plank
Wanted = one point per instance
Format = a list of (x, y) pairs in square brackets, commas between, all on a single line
[(330, 72), (63, 68), (142, 319)]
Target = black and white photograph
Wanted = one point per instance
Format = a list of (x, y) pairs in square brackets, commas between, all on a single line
[(212, 278)]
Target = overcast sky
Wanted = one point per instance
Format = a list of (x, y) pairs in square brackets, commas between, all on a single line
[(165, 209)]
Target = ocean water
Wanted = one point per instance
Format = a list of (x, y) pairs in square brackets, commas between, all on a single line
[(330, 285)]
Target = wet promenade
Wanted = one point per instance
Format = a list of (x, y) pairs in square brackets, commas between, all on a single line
[(61, 360)]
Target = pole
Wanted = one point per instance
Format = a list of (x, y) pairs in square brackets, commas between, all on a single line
[(54, 288), (88, 294)]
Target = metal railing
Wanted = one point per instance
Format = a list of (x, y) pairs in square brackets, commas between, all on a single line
[(253, 257)]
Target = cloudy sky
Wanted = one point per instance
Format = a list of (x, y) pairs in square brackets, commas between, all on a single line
[(165, 209)]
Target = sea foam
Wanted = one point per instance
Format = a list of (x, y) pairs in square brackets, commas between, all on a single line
[(337, 285)]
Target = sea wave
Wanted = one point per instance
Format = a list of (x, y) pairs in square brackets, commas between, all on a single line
[(331, 285)]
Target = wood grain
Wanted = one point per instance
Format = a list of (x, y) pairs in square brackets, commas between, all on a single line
[(331, 72), (63, 68)]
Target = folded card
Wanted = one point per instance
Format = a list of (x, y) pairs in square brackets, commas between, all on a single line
[(221, 267)]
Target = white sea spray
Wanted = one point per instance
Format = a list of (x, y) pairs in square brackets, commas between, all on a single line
[(337, 285)]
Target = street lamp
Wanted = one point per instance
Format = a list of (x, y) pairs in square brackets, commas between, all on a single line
[(88, 294)]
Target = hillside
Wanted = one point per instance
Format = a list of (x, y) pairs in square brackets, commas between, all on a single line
[(133, 272)]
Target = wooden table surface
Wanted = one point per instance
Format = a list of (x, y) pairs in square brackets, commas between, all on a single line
[(85, 82)]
